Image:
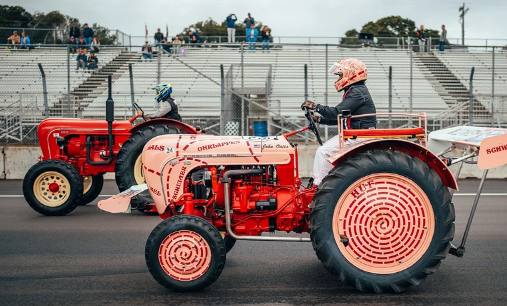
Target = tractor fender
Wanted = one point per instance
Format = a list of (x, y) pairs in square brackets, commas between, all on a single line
[(405, 146), (188, 129)]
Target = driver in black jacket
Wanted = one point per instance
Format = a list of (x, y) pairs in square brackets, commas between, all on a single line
[(356, 98), (167, 106)]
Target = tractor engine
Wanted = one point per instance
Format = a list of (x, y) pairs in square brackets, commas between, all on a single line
[(260, 204)]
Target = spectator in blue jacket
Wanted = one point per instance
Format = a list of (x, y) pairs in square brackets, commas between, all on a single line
[(231, 28), (87, 35), (251, 37), (25, 41), (81, 60), (193, 37)]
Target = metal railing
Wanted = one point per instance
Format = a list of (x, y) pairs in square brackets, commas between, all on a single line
[(255, 87)]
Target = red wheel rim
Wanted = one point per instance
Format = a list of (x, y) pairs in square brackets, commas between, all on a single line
[(184, 255), (388, 222)]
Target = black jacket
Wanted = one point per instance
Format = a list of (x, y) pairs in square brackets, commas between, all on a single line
[(158, 36), (357, 99), (265, 35), (74, 32)]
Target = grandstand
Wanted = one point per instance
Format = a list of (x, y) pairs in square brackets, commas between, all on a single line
[(435, 83)]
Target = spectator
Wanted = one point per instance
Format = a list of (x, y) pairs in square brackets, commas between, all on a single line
[(251, 37), (443, 39), (159, 36), (422, 39), (249, 21), (95, 45), (25, 41), (81, 60), (231, 28), (14, 39), (72, 45), (176, 45), (88, 35), (265, 38), (93, 61), (193, 37), (81, 45), (166, 46), (147, 51), (74, 31)]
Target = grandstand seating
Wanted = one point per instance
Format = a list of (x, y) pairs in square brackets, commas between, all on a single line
[(196, 80), (460, 63), (20, 77)]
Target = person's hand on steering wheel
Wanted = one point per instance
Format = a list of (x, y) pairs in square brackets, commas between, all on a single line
[(140, 111), (309, 114), (308, 104)]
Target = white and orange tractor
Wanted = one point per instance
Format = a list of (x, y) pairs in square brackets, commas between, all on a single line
[(382, 220)]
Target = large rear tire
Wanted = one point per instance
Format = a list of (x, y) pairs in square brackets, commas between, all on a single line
[(129, 167), (382, 221), (53, 188), (92, 186), (185, 253)]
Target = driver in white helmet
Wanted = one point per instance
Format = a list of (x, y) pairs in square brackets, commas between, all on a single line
[(352, 75), (167, 106)]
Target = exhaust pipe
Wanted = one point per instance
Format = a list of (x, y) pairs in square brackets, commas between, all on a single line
[(109, 119), (226, 182)]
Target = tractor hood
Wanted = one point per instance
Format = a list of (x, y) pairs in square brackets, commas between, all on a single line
[(51, 128), (168, 159)]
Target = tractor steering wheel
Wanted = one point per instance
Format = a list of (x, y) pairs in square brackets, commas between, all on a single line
[(311, 125), (137, 107)]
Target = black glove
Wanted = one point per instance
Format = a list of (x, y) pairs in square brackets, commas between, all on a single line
[(316, 117), (308, 104)]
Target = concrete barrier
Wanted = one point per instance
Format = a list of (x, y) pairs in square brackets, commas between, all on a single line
[(15, 162)]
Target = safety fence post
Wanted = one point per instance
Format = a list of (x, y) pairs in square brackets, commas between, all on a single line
[(390, 106), (68, 81), (131, 76), (306, 97), (243, 129), (470, 106), (410, 98), (326, 93), (44, 91), (222, 100)]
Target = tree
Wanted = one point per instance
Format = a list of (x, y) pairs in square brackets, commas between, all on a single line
[(350, 38), (103, 35), (387, 27), (55, 25)]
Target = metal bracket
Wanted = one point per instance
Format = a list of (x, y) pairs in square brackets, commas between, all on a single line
[(460, 251)]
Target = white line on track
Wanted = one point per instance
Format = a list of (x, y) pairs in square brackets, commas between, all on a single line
[(110, 195)]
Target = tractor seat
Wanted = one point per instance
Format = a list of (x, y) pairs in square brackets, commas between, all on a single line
[(384, 133)]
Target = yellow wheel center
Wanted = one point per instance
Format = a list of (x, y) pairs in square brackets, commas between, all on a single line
[(51, 189), (87, 183), (139, 171)]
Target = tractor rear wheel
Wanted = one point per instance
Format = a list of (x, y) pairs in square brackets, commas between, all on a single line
[(185, 253), (129, 167), (92, 186), (53, 188), (382, 221)]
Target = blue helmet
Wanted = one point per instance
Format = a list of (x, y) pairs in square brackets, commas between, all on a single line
[(163, 91)]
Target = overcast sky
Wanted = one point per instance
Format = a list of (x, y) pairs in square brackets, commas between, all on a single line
[(486, 18)]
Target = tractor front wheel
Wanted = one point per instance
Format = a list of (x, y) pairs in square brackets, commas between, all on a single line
[(92, 186), (185, 253), (129, 167), (382, 221), (53, 188)]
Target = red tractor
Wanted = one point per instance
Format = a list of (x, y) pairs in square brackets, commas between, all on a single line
[(381, 220), (77, 152)]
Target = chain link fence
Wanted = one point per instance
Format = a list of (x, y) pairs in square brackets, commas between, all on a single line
[(248, 89)]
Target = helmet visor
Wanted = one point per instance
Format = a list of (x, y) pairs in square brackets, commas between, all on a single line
[(336, 69)]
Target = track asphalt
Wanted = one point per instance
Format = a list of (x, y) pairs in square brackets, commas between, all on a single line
[(91, 257)]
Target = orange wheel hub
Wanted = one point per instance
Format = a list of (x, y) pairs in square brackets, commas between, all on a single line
[(184, 255), (383, 223)]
